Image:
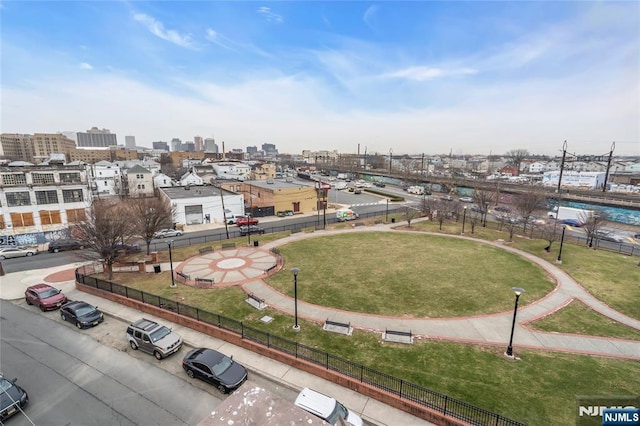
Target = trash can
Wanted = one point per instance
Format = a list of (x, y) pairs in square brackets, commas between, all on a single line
[(393, 220), (256, 243), (156, 269)]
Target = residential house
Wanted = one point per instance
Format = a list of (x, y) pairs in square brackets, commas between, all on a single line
[(195, 205), (140, 182)]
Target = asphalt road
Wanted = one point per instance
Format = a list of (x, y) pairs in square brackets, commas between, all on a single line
[(74, 379)]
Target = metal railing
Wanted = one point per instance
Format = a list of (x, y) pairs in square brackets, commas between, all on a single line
[(401, 388)]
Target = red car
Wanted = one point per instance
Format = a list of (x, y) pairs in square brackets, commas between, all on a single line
[(246, 221), (45, 297)]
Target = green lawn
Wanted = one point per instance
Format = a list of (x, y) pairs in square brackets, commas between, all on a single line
[(540, 389), (578, 318)]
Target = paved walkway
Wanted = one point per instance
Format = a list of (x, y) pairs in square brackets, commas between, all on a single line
[(491, 329)]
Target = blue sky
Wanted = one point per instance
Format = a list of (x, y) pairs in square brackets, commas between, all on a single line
[(415, 77)]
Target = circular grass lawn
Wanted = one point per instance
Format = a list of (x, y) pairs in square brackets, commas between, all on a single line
[(408, 274)]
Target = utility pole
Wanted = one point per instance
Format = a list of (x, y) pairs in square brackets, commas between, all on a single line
[(606, 175)]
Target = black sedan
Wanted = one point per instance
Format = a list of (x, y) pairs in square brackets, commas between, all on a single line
[(82, 314), (12, 398), (215, 368), (251, 229)]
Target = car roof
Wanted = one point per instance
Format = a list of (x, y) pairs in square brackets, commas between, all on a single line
[(39, 288), (75, 304), (206, 356), (316, 402)]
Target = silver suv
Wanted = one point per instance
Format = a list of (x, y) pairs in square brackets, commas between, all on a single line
[(153, 338)]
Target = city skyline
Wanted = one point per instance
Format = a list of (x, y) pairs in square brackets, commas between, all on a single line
[(433, 77)]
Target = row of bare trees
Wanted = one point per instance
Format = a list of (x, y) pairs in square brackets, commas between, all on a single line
[(112, 224)]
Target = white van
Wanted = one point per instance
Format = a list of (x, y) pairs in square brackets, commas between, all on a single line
[(343, 215), (326, 408)]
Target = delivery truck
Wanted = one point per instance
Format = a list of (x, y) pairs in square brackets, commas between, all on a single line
[(572, 216), (344, 215)]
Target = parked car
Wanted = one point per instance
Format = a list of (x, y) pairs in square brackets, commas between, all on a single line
[(357, 191), (251, 229), (82, 314), (128, 248), (379, 184), (610, 236), (11, 252), (12, 398), (215, 368), (64, 245), (504, 209), (153, 338), (446, 198), (164, 233), (466, 199), (246, 220), (571, 222), (327, 408), (44, 296)]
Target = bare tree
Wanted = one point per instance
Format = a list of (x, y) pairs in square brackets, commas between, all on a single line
[(526, 203), (409, 213), (483, 199), (106, 229), (550, 233), (474, 218), (509, 221), (592, 225), (150, 215), (516, 156)]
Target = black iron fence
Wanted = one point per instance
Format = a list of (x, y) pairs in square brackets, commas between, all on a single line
[(405, 390)]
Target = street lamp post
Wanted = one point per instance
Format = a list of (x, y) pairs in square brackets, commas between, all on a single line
[(295, 271), (390, 159), (386, 217), (518, 291), (559, 259), (464, 218), (173, 281)]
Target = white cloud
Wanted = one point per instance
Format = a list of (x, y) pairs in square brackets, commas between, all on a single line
[(157, 28), (85, 66), (270, 16), (216, 38), (427, 73)]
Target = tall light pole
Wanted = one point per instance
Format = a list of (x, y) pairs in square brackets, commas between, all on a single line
[(518, 291), (464, 218), (295, 271), (173, 281), (386, 218), (559, 259), (390, 159)]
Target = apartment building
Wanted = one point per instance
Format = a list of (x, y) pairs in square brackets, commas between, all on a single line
[(34, 148)]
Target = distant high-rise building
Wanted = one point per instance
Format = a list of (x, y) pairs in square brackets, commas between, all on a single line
[(160, 145), (129, 141), (176, 145), (210, 145), (252, 149), (34, 148), (269, 149), (199, 145), (96, 138), (189, 146)]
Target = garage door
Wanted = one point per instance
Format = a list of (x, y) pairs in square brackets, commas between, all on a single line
[(193, 214)]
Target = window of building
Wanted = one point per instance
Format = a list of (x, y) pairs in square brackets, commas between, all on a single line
[(72, 195), (22, 219), (18, 199), (70, 178), (140, 186), (238, 188), (42, 178), (14, 179), (49, 217), (2, 225), (76, 215), (47, 197), (139, 176)]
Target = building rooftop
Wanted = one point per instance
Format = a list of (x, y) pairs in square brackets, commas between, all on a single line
[(280, 184), (177, 192)]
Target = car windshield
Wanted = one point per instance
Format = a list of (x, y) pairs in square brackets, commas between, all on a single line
[(49, 293), (5, 385), (160, 334), (85, 310), (222, 366), (339, 412)]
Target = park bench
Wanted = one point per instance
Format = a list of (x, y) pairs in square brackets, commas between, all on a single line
[(184, 276), (204, 282), (228, 246), (205, 250), (255, 301), (398, 336), (338, 327)]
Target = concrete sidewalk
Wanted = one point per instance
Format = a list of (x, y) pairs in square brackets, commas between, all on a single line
[(12, 287)]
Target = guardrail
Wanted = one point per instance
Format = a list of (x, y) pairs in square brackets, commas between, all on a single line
[(403, 389)]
